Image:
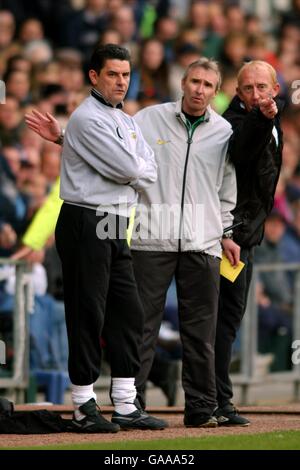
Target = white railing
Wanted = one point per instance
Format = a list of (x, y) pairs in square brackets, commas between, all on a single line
[(245, 379), (248, 376), (22, 305)]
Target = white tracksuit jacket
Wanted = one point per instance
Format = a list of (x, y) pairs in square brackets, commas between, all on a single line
[(189, 205), (105, 159)]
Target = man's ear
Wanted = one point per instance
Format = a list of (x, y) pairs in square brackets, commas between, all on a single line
[(93, 77), (182, 84), (276, 89), (238, 92)]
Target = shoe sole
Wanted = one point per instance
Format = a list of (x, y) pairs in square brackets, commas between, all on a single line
[(234, 424), (204, 425), (128, 427), (224, 421), (145, 423), (88, 430), (97, 432)]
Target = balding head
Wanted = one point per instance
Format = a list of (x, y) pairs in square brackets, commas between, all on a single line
[(257, 65), (257, 81)]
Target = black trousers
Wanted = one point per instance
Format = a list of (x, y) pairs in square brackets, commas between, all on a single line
[(101, 297), (232, 306), (197, 281)]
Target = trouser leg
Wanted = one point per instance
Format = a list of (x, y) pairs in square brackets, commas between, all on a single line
[(197, 279), (97, 274), (232, 305), (153, 273), (124, 320), (86, 269)]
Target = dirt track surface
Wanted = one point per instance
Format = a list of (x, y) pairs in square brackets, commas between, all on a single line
[(265, 419)]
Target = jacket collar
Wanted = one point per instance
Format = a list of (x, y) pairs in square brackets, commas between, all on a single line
[(99, 97), (179, 113)]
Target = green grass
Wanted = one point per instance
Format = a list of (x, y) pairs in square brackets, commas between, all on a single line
[(279, 440)]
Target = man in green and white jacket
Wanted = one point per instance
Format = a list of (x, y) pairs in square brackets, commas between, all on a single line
[(180, 222)]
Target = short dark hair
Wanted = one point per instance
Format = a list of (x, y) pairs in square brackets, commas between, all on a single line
[(206, 64), (109, 51)]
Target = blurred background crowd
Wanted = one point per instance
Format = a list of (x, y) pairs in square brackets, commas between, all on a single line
[(44, 50)]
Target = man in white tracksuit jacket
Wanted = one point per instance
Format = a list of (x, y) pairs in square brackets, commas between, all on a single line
[(180, 222), (105, 160)]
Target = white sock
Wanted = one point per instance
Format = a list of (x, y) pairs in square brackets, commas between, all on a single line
[(80, 395), (123, 394)]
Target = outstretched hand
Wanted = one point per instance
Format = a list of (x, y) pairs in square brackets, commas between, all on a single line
[(43, 124), (268, 107)]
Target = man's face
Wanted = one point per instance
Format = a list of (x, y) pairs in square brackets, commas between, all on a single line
[(199, 88), (256, 84), (274, 229), (113, 80)]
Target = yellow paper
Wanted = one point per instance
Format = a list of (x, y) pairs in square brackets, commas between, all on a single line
[(228, 271)]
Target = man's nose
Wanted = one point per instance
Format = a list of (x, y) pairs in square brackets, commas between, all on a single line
[(256, 95), (121, 80)]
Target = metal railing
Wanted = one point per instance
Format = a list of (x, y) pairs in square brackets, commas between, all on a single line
[(22, 305), (247, 377), (249, 331)]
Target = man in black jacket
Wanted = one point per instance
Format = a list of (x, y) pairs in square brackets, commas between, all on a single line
[(256, 151)]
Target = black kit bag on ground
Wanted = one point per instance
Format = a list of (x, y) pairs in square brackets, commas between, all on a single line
[(30, 422)]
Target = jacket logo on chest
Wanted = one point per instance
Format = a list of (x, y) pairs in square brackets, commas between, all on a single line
[(132, 133), (119, 133)]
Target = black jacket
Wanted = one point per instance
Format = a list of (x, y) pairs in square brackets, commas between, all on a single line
[(257, 160)]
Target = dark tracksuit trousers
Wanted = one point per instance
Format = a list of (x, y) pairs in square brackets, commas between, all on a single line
[(101, 297), (197, 281), (232, 306)]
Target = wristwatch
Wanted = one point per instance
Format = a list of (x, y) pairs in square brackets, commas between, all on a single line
[(228, 234), (60, 139)]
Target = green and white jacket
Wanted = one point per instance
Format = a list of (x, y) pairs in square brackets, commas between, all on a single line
[(189, 205)]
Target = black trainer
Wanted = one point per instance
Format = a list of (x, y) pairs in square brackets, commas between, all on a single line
[(200, 421), (228, 416), (94, 422), (138, 419)]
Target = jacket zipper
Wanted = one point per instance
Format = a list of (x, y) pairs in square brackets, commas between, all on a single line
[(190, 128), (190, 132)]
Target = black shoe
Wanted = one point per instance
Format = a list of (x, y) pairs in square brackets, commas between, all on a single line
[(94, 422), (138, 419), (200, 421), (228, 416)]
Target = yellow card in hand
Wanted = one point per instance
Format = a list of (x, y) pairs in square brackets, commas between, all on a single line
[(228, 271)]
